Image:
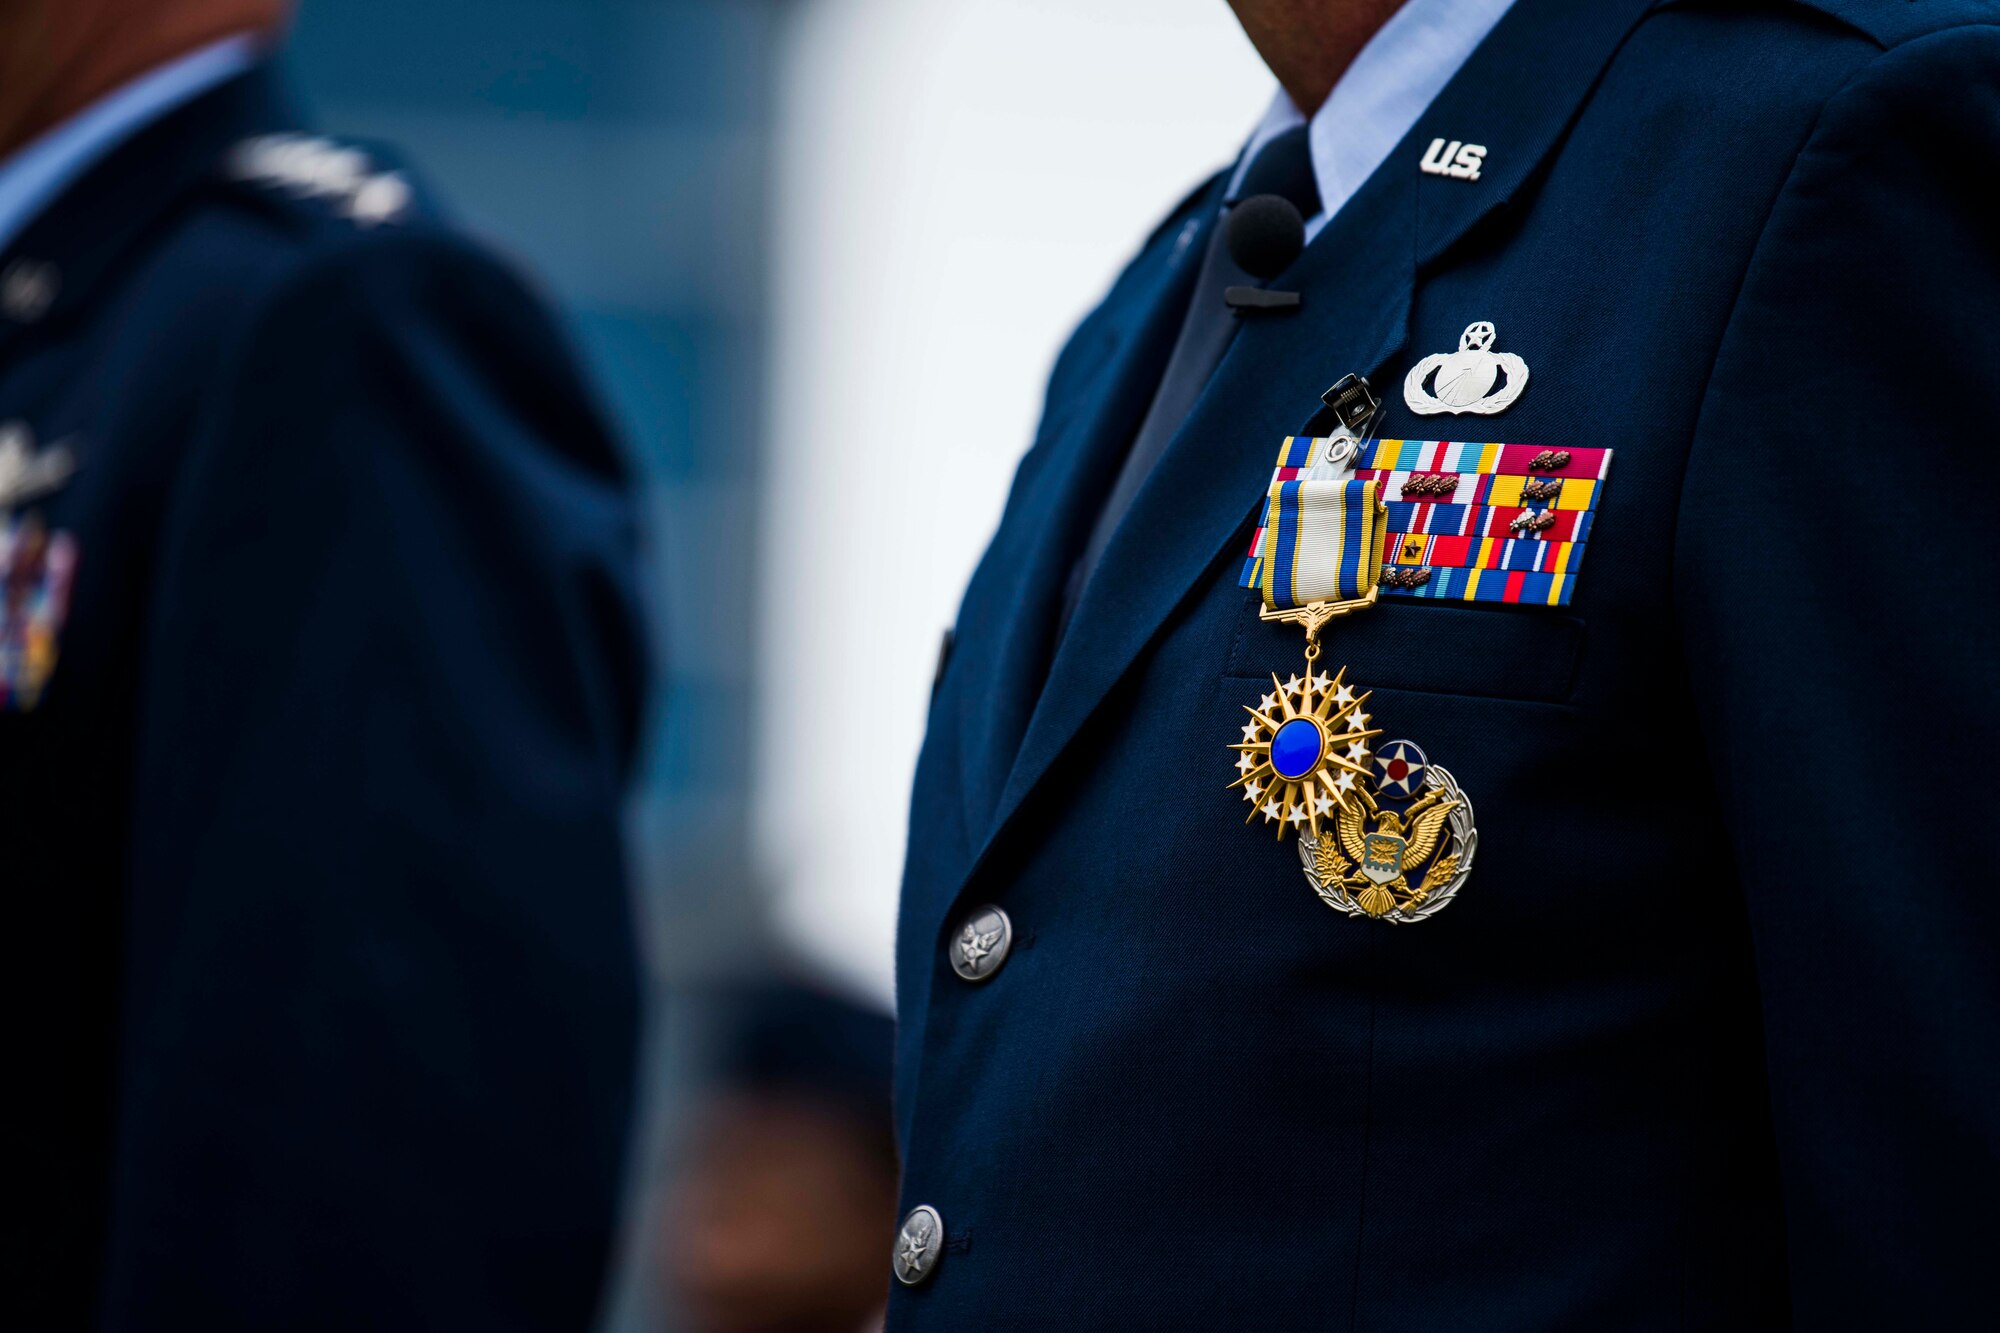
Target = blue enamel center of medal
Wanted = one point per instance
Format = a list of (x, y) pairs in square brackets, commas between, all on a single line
[(1296, 749)]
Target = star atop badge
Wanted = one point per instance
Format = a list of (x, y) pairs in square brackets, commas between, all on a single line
[(1399, 769)]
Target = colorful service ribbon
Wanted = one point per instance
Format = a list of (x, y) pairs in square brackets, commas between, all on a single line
[(36, 569), (1458, 521)]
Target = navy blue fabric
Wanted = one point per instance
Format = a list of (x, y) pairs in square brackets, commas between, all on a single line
[(325, 994), (1702, 1043)]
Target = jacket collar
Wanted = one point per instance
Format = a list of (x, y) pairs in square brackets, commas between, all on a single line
[(1391, 83), (51, 269), (1517, 95), (36, 173)]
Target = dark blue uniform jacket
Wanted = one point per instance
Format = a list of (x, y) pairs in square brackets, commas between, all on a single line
[(1707, 1041), (324, 990)]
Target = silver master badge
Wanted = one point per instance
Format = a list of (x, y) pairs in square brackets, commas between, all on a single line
[(1474, 379)]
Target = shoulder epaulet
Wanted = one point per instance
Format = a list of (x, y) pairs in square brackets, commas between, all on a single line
[(345, 181), (1890, 23)]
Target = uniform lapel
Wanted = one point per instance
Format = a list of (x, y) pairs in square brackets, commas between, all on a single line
[(1517, 95), (1202, 493), (1009, 619)]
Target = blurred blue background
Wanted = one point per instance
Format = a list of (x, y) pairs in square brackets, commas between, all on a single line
[(620, 150)]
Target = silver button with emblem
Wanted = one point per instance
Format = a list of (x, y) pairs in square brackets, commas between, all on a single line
[(27, 289), (982, 944), (919, 1243)]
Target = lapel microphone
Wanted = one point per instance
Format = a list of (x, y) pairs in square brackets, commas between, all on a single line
[(1265, 234)]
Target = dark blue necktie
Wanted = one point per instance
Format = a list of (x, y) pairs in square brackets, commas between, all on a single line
[(1282, 167)]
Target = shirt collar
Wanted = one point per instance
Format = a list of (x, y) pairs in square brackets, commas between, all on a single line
[(36, 175), (1397, 75)]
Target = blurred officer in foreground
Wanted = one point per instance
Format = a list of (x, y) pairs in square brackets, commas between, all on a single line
[(786, 1191), (1537, 488), (318, 687)]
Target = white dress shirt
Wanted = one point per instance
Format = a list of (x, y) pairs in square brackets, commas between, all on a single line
[(1394, 79), (34, 176)]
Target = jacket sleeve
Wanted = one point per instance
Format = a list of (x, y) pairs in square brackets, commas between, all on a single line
[(382, 1002), (1836, 579)]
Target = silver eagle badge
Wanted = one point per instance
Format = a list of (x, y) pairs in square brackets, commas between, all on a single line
[(27, 473)]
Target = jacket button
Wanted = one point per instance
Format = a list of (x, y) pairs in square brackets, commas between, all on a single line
[(27, 289), (982, 944), (918, 1245)]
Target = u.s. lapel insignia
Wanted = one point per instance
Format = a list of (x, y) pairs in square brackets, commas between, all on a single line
[(27, 473), (1456, 159), (1305, 762), (1475, 378)]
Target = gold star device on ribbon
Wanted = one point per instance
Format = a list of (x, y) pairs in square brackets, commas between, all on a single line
[(1387, 836)]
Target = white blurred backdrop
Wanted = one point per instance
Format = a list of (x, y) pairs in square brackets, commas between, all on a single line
[(957, 182)]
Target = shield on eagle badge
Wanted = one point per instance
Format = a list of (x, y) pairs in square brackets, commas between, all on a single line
[(1382, 859)]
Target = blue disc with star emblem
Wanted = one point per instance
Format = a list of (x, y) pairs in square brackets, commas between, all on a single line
[(1400, 767), (1297, 748)]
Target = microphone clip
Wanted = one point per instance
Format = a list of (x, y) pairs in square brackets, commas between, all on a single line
[(1266, 234), (1260, 301)]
